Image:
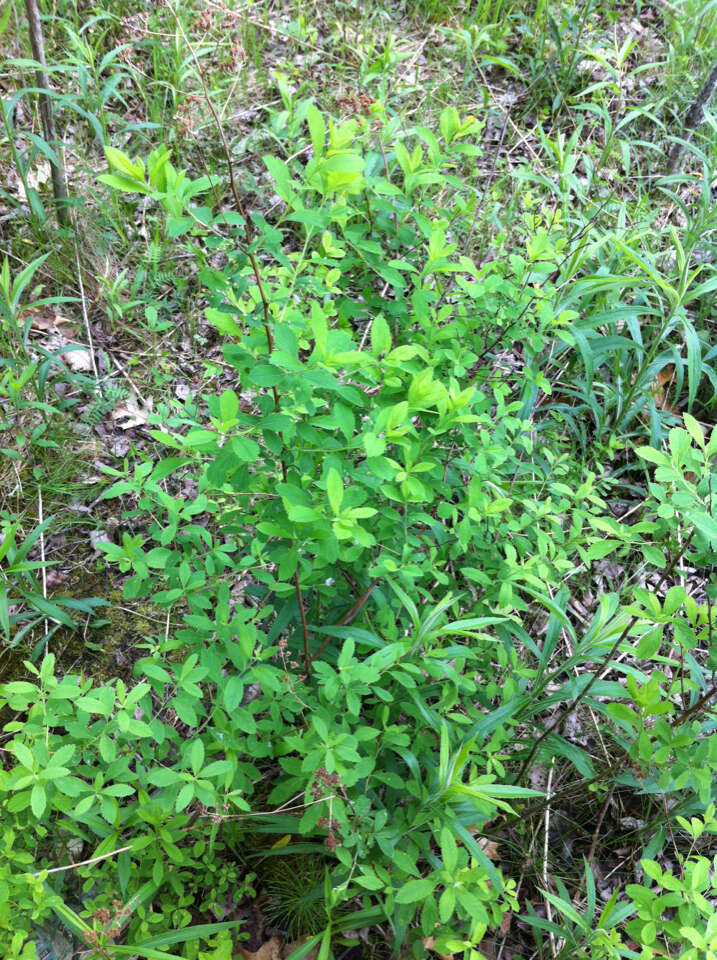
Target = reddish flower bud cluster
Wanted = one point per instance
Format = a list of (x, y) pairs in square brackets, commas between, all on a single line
[(185, 113), (98, 937), (324, 782), (207, 22), (332, 841), (132, 30), (359, 103)]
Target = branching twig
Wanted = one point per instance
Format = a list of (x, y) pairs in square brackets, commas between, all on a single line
[(695, 116), (85, 863), (235, 193), (352, 614)]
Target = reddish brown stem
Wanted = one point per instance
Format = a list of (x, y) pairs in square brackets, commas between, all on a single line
[(235, 194), (304, 627), (351, 615)]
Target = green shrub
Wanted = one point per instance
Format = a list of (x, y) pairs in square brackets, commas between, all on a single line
[(351, 544)]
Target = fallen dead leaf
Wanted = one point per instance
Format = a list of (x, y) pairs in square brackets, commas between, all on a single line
[(430, 944), (289, 948), (489, 847), (271, 950), (59, 334), (660, 390), (130, 413), (78, 360), (35, 178)]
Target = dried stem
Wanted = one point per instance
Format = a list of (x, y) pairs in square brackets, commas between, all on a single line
[(235, 193), (47, 116)]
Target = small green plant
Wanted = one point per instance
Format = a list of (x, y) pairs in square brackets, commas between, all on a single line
[(436, 517), (678, 910), (294, 889), (24, 608)]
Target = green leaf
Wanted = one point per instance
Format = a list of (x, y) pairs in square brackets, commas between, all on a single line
[(335, 490), (228, 405), (706, 524), (120, 161), (449, 850), (369, 881), (38, 800), (125, 184), (233, 693), (694, 428), (281, 175), (246, 449), (200, 931), (654, 456), (299, 514), (415, 890), (185, 797), (224, 322), (345, 419), (196, 756), (650, 643), (602, 548), (654, 555), (4, 612), (24, 755), (380, 336), (163, 777), (317, 129), (623, 713), (325, 948)]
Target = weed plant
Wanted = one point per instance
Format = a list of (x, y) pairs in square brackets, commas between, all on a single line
[(433, 544)]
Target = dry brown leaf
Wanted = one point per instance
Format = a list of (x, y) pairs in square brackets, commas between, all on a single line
[(489, 847), (35, 177), (60, 333), (130, 413), (79, 361), (664, 380), (271, 950), (65, 326), (289, 948), (45, 322), (430, 944)]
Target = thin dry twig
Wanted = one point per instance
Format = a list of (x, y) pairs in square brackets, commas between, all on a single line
[(85, 317), (546, 844), (43, 571), (85, 863)]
